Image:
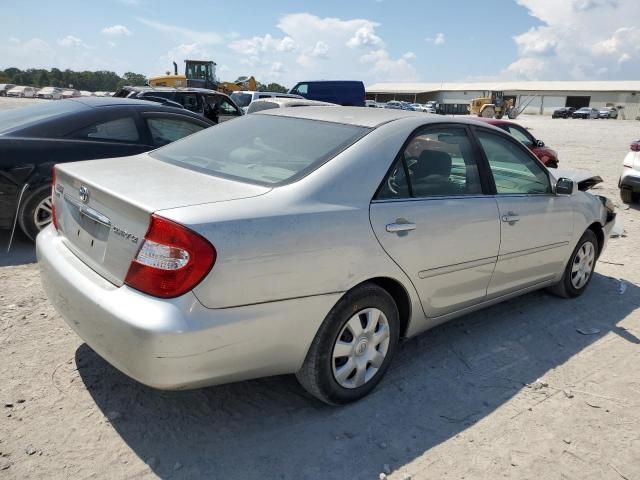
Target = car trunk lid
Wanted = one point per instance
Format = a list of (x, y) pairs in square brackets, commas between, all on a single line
[(103, 207)]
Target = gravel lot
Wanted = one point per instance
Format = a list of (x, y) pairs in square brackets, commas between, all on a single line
[(514, 391)]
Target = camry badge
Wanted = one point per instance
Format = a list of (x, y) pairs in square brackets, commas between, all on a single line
[(84, 194)]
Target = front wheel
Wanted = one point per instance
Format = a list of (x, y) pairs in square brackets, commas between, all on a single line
[(353, 347), (626, 195), (579, 270), (36, 212)]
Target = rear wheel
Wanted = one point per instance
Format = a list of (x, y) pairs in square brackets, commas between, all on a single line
[(488, 112), (579, 270), (36, 212), (353, 347)]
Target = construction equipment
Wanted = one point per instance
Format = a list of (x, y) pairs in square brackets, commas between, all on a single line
[(241, 83), (197, 73), (492, 105)]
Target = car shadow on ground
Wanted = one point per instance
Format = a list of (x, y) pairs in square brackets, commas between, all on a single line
[(22, 249), (440, 383)]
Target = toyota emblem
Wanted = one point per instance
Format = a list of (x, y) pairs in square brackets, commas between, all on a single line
[(84, 194)]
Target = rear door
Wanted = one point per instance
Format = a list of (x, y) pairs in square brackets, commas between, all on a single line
[(537, 225), (432, 217)]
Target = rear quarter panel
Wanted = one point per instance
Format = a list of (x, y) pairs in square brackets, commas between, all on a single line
[(312, 237)]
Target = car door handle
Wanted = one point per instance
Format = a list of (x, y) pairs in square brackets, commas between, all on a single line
[(400, 227), (511, 218)]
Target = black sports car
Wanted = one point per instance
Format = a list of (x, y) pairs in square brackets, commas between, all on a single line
[(563, 112), (33, 139)]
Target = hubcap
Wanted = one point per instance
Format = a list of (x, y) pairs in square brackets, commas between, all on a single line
[(360, 348), (43, 214), (583, 265)]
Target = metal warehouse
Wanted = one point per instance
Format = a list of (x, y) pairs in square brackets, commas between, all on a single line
[(533, 97)]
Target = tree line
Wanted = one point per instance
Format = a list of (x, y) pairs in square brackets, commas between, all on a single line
[(102, 80), (99, 81)]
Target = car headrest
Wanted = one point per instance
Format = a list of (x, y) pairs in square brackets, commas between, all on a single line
[(433, 162)]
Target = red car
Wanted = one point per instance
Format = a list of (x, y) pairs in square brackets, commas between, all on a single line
[(546, 155)]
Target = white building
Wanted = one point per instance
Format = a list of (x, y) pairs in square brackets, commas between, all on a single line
[(540, 97)]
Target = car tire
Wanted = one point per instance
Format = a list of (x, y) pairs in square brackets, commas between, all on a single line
[(336, 379), (626, 195), (32, 212), (579, 270)]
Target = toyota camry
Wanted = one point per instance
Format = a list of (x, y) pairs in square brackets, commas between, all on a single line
[(307, 240)]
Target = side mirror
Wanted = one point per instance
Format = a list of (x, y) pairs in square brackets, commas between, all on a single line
[(539, 143), (564, 186)]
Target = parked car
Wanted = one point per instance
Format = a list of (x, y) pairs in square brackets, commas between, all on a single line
[(269, 103), (50, 93), (372, 104), (586, 113), (4, 88), (86, 93), (22, 92), (70, 93), (608, 112), (244, 98), (348, 93), (34, 138), (629, 183), (397, 105), (215, 106), (307, 240), (546, 155), (563, 112)]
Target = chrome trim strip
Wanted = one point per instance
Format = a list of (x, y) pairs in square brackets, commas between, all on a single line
[(530, 251), (89, 212), (433, 272)]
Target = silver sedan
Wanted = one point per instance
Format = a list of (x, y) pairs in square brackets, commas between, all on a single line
[(307, 240)]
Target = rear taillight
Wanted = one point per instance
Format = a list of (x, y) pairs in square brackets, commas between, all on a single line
[(171, 261), (635, 147), (54, 218)]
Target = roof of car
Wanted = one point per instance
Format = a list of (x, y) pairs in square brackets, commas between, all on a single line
[(95, 102), (364, 117), (495, 121)]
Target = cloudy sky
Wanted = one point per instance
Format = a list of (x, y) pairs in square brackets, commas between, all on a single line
[(373, 40)]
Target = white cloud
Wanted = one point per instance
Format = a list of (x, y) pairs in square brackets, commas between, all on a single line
[(71, 41), (184, 34), (439, 39), (14, 40), (315, 47), (116, 31), (409, 56), (579, 39)]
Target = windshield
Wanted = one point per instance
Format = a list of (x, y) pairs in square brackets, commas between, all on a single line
[(20, 117), (262, 149), (241, 99)]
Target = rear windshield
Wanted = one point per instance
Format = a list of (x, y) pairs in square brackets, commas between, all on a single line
[(23, 116), (241, 99), (263, 149)]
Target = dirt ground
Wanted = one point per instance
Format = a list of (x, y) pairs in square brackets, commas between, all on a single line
[(534, 388)]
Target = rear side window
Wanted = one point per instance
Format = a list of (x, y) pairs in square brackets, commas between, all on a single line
[(167, 130), (263, 149), (437, 162), (120, 130)]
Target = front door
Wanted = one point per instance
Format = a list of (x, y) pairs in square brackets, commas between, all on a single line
[(432, 218), (537, 225)]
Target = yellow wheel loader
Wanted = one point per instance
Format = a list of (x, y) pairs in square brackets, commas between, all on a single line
[(491, 106)]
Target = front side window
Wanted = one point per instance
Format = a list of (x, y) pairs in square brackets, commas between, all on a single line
[(167, 130), (119, 130), (438, 162), (521, 135), (227, 109), (513, 168), (189, 101), (302, 89)]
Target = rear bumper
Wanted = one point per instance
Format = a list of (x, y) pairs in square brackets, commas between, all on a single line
[(177, 343)]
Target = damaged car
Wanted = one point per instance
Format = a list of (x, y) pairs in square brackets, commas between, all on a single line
[(308, 240), (33, 139)]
